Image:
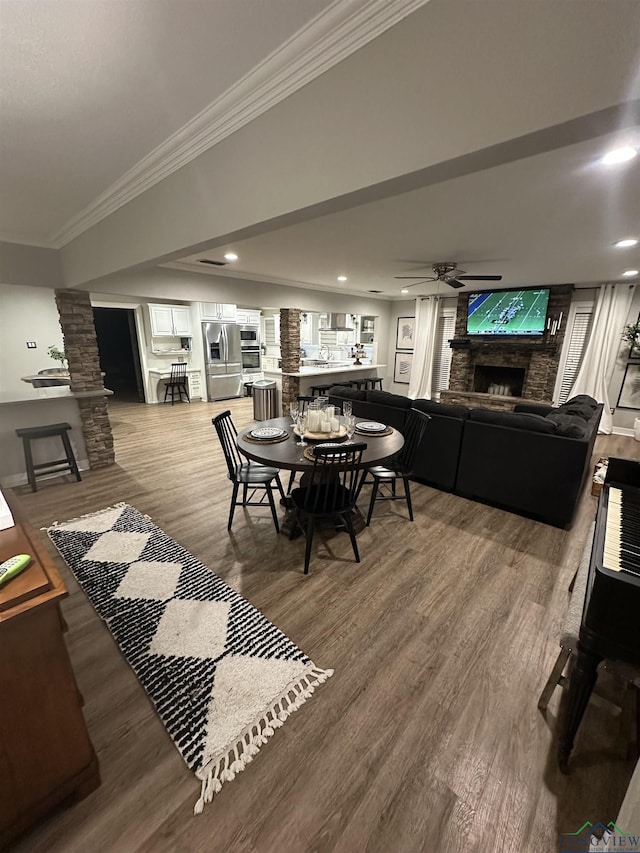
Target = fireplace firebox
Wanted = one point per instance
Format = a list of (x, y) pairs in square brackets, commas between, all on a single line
[(504, 381)]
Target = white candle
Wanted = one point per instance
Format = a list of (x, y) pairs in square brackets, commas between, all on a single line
[(335, 424), (313, 418), (325, 426)]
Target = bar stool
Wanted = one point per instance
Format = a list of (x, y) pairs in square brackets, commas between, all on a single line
[(29, 434), (374, 382), (248, 389), (319, 390), (360, 384)]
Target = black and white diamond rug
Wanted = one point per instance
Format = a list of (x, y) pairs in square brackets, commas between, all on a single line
[(221, 676)]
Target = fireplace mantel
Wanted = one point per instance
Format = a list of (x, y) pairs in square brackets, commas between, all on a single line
[(486, 345)]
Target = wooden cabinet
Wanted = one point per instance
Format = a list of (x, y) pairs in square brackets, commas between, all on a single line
[(195, 384), (248, 316), (218, 311), (170, 321), (45, 752)]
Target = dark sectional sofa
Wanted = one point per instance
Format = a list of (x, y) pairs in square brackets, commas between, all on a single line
[(532, 461)]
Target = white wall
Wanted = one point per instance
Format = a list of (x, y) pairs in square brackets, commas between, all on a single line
[(26, 314), (623, 418)]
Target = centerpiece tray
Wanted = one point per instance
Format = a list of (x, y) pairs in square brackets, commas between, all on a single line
[(334, 435)]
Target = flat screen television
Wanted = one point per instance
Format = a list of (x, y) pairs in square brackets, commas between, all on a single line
[(508, 312)]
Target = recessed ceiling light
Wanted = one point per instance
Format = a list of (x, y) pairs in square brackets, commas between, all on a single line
[(342, 278), (231, 256), (619, 155), (626, 244), (404, 290), (630, 273)]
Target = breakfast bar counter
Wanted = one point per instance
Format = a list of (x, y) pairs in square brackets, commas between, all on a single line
[(32, 407), (342, 372)]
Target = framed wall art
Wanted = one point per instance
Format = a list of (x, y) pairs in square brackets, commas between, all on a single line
[(630, 392), (402, 367), (405, 332)]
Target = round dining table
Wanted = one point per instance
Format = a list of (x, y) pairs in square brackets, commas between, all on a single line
[(289, 454)]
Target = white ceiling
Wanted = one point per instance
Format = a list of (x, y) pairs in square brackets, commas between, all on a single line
[(89, 88)]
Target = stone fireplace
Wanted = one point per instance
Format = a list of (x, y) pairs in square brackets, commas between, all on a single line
[(495, 379), (482, 368)]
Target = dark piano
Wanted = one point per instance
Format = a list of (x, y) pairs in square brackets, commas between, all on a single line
[(610, 626)]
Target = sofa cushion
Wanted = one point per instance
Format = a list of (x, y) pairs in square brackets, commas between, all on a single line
[(533, 423), (433, 408), (582, 400), (346, 392), (384, 398), (573, 426), (581, 410)]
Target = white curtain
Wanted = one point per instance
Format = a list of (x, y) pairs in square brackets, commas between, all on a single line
[(427, 308), (609, 316)]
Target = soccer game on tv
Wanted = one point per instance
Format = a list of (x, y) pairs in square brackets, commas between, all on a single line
[(508, 312)]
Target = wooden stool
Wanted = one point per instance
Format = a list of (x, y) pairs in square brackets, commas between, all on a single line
[(374, 382), (248, 389), (318, 390), (28, 434)]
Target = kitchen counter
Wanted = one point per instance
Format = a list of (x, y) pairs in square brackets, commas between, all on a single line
[(52, 393), (323, 371), (32, 407)]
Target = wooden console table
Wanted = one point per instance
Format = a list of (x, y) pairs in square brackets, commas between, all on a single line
[(46, 756)]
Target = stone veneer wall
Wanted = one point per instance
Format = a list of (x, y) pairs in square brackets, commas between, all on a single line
[(290, 355), (539, 357), (81, 349)]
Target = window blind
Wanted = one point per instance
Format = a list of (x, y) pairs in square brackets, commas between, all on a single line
[(442, 352), (574, 352)]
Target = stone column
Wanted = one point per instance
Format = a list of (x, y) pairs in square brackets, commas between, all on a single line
[(81, 350), (290, 355)]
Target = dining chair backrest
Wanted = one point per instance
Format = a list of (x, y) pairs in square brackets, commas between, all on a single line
[(413, 432), (334, 479), (303, 402), (178, 371), (227, 434)]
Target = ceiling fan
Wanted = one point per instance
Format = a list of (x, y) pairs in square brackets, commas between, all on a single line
[(448, 272)]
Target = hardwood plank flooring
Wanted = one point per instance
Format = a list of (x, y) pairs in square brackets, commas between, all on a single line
[(426, 738)]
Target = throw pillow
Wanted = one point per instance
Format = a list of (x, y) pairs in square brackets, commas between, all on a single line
[(572, 426), (581, 410), (583, 400), (533, 423)]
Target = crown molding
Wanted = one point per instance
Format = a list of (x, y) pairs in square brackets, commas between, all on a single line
[(263, 279), (328, 39), (27, 240)]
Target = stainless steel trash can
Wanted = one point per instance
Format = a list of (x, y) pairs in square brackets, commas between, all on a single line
[(265, 399)]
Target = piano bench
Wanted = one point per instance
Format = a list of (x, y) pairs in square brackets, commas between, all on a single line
[(568, 644)]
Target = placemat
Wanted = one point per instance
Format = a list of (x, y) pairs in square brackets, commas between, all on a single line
[(247, 437), (364, 433)]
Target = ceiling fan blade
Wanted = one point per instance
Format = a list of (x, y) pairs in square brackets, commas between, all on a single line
[(415, 283), (453, 282), (417, 277), (481, 277)]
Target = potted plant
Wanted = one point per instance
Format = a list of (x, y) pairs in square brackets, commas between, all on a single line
[(58, 355), (631, 334)]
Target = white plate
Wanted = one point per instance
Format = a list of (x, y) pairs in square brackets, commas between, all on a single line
[(371, 426), (267, 432)]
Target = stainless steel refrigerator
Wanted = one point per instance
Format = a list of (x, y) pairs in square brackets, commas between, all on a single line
[(222, 360)]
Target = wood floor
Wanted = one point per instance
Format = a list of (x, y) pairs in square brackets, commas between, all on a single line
[(426, 738)]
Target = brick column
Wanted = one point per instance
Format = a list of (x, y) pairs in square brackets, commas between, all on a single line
[(81, 350), (290, 354)]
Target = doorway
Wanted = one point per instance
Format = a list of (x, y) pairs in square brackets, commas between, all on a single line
[(119, 352)]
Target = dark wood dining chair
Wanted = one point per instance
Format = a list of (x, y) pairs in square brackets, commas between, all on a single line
[(331, 492), (400, 467), (242, 472), (177, 383)]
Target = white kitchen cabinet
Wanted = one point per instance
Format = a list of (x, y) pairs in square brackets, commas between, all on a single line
[(195, 384), (218, 311), (248, 317), (170, 321), (272, 331)]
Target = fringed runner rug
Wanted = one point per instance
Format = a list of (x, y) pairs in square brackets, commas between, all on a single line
[(221, 676)]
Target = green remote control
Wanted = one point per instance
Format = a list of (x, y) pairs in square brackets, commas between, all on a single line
[(13, 566)]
